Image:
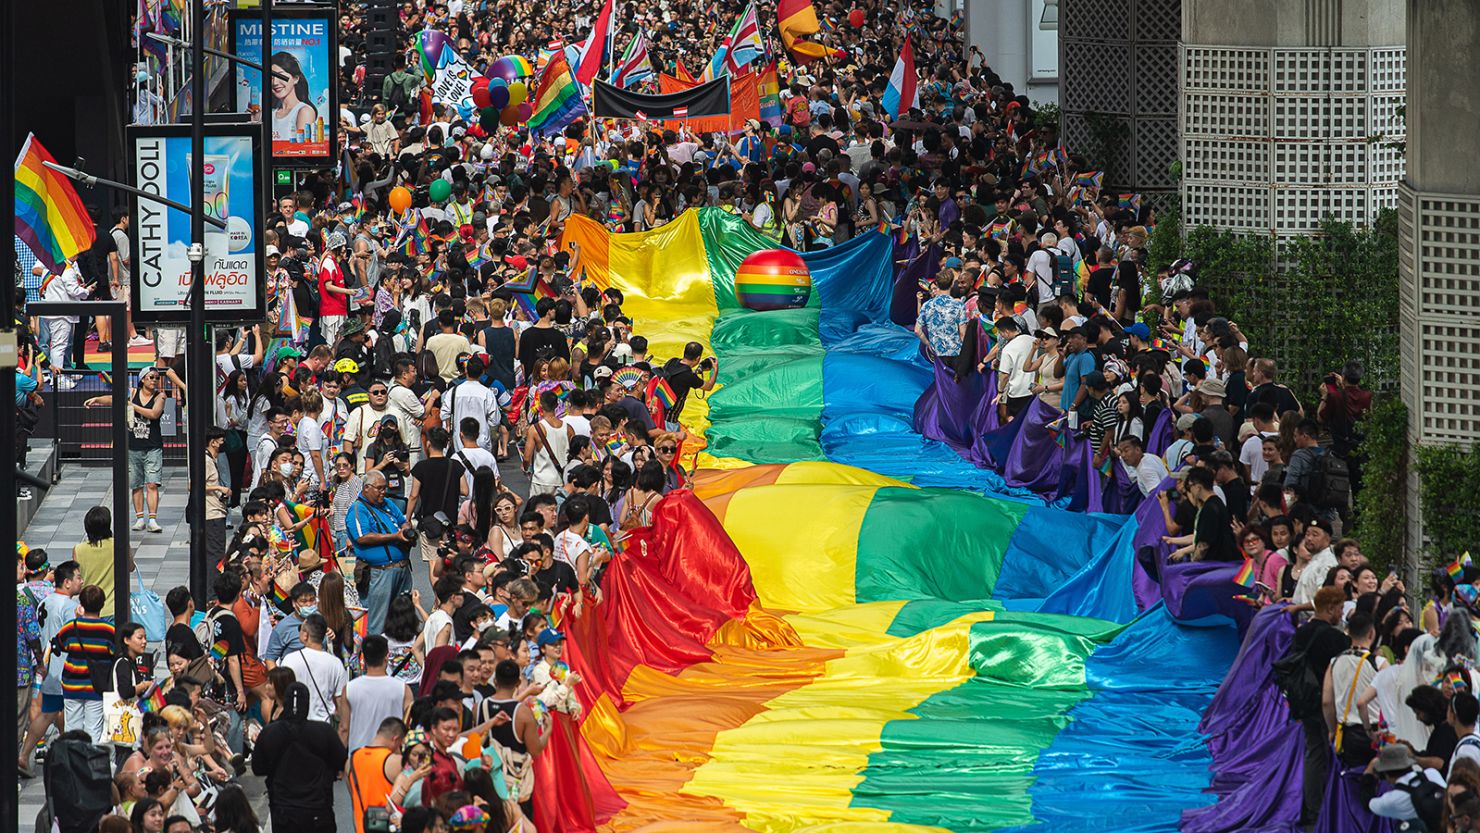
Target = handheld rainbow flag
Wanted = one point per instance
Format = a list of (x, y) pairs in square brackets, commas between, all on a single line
[(557, 101), (1245, 574), (1467, 593), (1089, 179), (152, 700), (1104, 468), (1131, 201), (1081, 277), (1457, 680), (49, 216), (1458, 565)]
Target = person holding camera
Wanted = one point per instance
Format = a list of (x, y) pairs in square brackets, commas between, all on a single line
[(683, 375), (381, 538), (437, 486), (388, 454)]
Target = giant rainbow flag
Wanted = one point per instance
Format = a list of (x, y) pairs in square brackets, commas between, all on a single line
[(846, 627), (49, 216)]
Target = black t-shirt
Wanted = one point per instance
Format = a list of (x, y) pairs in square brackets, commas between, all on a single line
[(822, 142), (1321, 642), (1442, 741), (499, 342), (682, 379), (180, 640), (1276, 395), (600, 513), (1237, 494), (1098, 286), (1213, 529), (439, 478), (560, 577), (145, 435), (229, 641), (638, 415), (538, 342)]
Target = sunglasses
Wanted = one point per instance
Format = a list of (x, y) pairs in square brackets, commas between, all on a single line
[(378, 393), (667, 448)]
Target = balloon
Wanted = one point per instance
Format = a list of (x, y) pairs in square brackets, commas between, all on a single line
[(480, 92), (498, 94), (488, 119), (518, 93), (400, 199), (525, 111), (509, 116), (856, 18), (503, 68), (522, 67), (439, 190)]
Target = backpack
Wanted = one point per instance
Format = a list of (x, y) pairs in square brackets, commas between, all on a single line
[(1329, 485), (1065, 279), (1428, 801), (79, 784), (1299, 683), (400, 100)]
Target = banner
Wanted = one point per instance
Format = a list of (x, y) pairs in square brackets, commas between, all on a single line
[(304, 105), (448, 74), (744, 104), (162, 164), (708, 99)]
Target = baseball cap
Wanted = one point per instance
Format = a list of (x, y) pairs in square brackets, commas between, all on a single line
[(808, 167), (286, 352), (1139, 330), (601, 372), (346, 206), (1186, 421), (517, 261), (272, 251), (1095, 379), (953, 263), (549, 636)]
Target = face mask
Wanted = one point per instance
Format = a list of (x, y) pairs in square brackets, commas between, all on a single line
[(305, 612), (285, 469), (485, 626)]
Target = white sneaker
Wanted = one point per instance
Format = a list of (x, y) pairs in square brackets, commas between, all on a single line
[(65, 383), (140, 341), (153, 526), (138, 524)]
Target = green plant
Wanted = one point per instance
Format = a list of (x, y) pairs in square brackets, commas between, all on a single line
[(1107, 138), (1381, 513), (1046, 117), (1165, 244), (1449, 479)]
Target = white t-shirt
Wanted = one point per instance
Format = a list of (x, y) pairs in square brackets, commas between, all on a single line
[(434, 624), (473, 459), (1040, 263), (581, 424), (1147, 475), (1251, 454), (1468, 747), (371, 700), (569, 546), (324, 675), (1013, 362), (311, 439)]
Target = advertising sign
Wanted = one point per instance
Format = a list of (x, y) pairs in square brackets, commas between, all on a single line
[(162, 164), (303, 103)]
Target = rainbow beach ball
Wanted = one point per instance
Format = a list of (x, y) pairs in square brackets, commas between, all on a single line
[(773, 279)]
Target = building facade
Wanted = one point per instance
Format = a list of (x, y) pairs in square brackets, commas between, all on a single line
[(1118, 89), (1290, 112), (1020, 40), (1439, 234)]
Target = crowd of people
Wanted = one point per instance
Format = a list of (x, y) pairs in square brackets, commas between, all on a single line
[(364, 431)]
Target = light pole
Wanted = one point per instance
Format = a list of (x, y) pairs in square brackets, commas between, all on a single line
[(199, 350)]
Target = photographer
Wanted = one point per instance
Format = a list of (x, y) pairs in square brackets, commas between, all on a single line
[(381, 538), (437, 484), (683, 375), (389, 455)]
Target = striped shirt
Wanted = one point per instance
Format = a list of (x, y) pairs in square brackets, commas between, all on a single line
[(83, 640)]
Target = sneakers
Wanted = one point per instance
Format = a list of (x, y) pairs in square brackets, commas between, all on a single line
[(24, 493), (61, 382), (141, 341), (153, 526), (105, 346), (138, 524)]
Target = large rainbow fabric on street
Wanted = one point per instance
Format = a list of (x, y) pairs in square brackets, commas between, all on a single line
[(813, 641)]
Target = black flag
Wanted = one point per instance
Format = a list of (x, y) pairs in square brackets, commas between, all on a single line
[(708, 99)]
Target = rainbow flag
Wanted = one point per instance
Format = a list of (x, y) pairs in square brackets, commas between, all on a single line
[(768, 87), (1245, 574), (1089, 179), (152, 700), (1081, 277), (557, 101), (1457, 680), (1467, 593), (1458, 565), (49, 216)]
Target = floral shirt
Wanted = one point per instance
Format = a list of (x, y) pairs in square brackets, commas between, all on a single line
[(942, 317), (28, 632)]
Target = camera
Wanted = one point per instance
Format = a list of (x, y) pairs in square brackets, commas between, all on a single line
[(707, 364), (318, 498), (435, 526)]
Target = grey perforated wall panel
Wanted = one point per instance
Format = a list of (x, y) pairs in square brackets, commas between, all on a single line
[(1274, 139), (1118, 61)]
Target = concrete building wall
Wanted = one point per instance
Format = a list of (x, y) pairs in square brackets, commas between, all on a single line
[(1021, 53)]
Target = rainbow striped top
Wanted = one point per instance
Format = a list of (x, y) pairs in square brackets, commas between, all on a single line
[(84, 639)]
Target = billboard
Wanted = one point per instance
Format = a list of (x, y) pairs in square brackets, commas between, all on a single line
[(303, 103), (161, 163)]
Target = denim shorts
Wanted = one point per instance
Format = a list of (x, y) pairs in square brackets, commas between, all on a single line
[(145, 467)]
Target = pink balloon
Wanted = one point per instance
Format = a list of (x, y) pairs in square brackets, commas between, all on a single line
[(525, 111)]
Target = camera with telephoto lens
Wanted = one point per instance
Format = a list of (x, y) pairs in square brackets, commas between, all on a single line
[(318, 498)]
